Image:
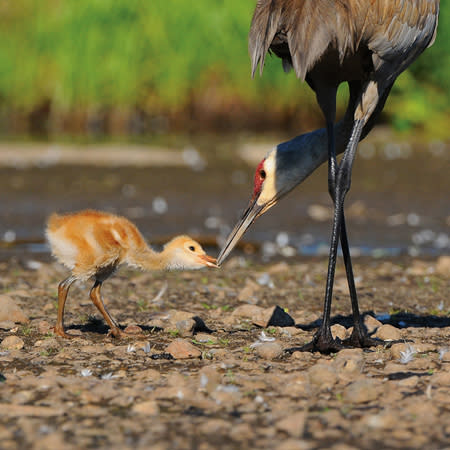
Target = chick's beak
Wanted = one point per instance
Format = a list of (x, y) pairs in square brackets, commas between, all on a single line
[(208, 261), (250, 214)]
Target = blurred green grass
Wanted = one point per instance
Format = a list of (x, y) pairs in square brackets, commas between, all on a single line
[(162, 56)]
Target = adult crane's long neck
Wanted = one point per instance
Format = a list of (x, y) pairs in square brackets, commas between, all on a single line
[(298, 158)]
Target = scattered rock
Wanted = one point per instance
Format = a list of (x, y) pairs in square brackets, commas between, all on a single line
[(43, 327), (444, 354), (7, 325), (294, 444), (248, 291), (441, 379), (388, 333), (12, 343), (186, 327), (339, 331), (47, 343), (397, 349), (393, 367), (133, 329), (293, 424), (228, 395), (52, 440), (217, 353), (264, 317), (215, 426), (292, 331), (322, 375), (206, 338), (278, 268), (149, 408), (269, 350), (28, 410), (209, 378), (182, 349), (247, 311), (10, 311), (242, 432), (175, 315), (349, 362), (149, 375), (443, 265), (361, 391), (410, 382), (371, 323), (385, 420)]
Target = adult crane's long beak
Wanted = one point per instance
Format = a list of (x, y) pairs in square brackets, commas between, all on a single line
[(248, 217)]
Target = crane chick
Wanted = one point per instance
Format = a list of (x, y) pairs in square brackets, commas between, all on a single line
[(93, 244)]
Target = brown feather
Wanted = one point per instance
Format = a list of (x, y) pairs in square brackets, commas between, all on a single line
[(302, 31)]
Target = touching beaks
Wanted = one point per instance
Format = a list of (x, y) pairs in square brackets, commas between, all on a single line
[(250, 214), (209, 261)]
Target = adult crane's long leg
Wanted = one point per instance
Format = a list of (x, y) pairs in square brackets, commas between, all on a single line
[(323, 340), (359, 337), (326, 96)]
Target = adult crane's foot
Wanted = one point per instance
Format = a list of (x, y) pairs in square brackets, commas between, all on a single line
[(322, 342), (360, 339), (363, 341)]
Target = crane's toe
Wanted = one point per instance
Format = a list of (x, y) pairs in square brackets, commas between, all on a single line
[(60, 332), (357, 340), (120, 334), (320, 343)]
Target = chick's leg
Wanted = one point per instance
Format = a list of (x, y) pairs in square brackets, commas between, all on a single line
[(96, 298), (63, 290)]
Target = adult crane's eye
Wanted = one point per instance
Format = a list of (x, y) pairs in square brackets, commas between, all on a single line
[(262, 174), (192, 248)]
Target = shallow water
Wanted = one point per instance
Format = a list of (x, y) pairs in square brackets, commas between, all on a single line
[(399, 201)]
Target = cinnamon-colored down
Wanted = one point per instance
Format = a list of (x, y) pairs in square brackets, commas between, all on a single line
[(93, 244)]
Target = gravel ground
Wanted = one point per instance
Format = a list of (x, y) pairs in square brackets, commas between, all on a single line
[(209, 368)]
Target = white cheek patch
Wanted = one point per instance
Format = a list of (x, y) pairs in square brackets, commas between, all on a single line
[(268, 191)]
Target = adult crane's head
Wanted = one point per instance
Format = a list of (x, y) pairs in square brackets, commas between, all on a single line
[(277, 174)]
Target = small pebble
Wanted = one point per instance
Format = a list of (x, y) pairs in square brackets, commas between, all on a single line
[(182, 349), (12, 343), (388, 333), (269, 350)]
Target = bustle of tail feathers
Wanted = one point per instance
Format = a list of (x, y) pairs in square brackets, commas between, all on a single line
[(307, 27)]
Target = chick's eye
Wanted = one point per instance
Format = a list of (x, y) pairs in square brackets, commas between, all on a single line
[(262, 174), (192, 248)]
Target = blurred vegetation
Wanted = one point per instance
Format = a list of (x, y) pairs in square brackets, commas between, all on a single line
[(174, 59)]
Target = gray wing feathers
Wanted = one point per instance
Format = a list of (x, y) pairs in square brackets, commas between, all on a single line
[(392, 29), (406, 25)]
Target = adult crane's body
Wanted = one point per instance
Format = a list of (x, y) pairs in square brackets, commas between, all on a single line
[(366, 43)]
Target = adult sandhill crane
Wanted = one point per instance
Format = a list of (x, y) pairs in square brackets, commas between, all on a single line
[(366, 43), (93, 244)]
